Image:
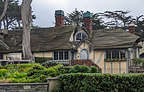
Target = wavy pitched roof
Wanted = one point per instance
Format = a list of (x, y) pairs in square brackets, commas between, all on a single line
[(58, 38)]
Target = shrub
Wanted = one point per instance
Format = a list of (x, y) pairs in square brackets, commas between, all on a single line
[(19, 67), (139, 61), (42, 59), (49, 64), (79, 69), (17, 75), (3, 73), (55, 70), (94, 69), (81, 82)]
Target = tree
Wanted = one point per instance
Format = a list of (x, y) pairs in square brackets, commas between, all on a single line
[(76, 18), (27, 24), (12, 19), (117, 19), (98, 22), (4, 10)]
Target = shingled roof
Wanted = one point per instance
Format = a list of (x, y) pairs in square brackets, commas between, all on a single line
[(116, 38), (58, 38), (42, 39)]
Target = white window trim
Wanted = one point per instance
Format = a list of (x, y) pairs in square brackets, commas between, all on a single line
[(63, 56), (118, 53), (81, 36)]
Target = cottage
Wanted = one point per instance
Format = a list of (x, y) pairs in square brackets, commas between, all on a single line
[(111, 50)]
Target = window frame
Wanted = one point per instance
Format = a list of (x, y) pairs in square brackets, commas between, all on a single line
[(81, 36), (120, 54), (61, 57)]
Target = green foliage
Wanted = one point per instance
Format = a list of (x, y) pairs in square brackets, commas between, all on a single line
[(3, 73), (139, 61), (27, 73), (19, 67), (49, 64), (79, 69), (90, 82), (94, 69), (34, 72), (42, 59), (55, 70)]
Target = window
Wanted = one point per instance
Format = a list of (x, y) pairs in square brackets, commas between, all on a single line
[(115, 54), (61, 55), (81, 36), (84, 54), (1, 56), (55, 55)]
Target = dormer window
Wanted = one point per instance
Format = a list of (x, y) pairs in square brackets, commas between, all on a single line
[(81, 36)]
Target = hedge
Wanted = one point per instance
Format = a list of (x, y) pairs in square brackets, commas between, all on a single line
[(92, 82)]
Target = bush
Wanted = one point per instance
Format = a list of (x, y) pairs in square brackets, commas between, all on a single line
[(80, 69), (35, 73), (55, 70), (19, 67), (42, 59), (139, 61), (81, 82), (49, 64), (94, 69), (3, 73)]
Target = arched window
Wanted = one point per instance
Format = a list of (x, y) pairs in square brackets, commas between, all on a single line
[(81, 36)]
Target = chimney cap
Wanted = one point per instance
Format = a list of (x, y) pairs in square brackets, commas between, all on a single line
[(87, 15), (59, 13), (132, 25)]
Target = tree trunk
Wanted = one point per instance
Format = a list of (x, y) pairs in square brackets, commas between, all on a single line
[(5, 9), (27, 22)]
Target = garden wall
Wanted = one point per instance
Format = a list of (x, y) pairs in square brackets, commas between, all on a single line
[(24, 87)]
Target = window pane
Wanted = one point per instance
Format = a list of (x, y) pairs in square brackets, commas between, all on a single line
[(55, 55), (108, 54), (66, 55), (78, 36), (115, 54), (122, 53), (84, 37), (61, 55)]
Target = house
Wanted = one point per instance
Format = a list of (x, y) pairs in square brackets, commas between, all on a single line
[(111, 50)]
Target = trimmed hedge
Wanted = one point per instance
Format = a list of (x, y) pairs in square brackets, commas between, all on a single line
[(92, 82)]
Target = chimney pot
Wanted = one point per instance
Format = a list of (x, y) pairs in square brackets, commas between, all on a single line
[(59, 17), (88, 21), (131, 27)]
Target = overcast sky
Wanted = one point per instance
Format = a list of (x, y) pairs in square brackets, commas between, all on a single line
[(44, 9)]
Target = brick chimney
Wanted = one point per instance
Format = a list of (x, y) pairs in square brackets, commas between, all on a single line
[(87, 18), (131, 28), (59, 18)]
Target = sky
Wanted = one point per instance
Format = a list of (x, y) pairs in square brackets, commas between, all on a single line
[(45, 9)]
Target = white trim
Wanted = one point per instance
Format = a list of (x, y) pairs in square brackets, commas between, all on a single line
[(81, 36), (63, 55)]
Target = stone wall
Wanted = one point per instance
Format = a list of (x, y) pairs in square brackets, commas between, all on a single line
[(24, 87)]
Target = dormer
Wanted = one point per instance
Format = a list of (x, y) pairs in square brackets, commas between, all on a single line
[(81, 36)]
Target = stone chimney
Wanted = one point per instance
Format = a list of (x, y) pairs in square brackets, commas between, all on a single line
[(87, 18), (131, 28), (59, 18)]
